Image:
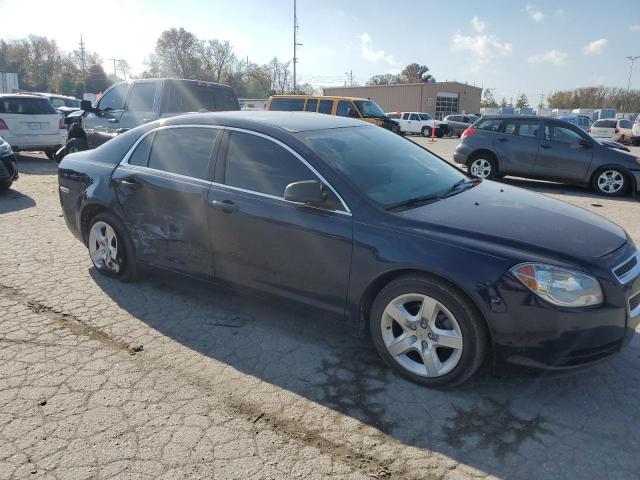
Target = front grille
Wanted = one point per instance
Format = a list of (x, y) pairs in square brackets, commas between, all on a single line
[(629, 269), (634, 302), (626, 267)]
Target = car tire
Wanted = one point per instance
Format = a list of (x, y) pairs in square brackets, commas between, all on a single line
[(426, 131), (108, 233), (483, 165), (635, 142), (610, 182), (75, 145), (6, 184), (416, 350)]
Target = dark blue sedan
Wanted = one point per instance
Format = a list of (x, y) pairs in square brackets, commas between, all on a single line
[(446, 272)]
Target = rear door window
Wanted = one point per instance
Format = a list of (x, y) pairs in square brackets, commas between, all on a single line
[(259, 165), (26, 106), (142, 97), (528, 128), (114, 99), (287, 104), (312, 105), (325, 106), (200, 96), (414, 116), (185, 151), (344, 107)]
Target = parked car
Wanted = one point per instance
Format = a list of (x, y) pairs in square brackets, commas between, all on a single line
[(30, 123), (581, 121), (546, 148), (420, 123), (354, 107), (8, 166), (62, 103), (443, 270), (635, 132), (612, 129), (459, 123), (127, 105)]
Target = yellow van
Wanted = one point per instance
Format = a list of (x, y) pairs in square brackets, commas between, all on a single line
[(353, 107)]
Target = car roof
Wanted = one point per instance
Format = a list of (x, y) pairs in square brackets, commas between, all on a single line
[(515, 116), (322, 97), (292, 122), (45, 94), (19, 95)]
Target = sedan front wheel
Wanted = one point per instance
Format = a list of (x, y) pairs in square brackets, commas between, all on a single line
[(427, 331), (610, 182)]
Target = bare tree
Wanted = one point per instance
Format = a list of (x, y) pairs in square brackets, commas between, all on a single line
[(177, 54), (217, 58)]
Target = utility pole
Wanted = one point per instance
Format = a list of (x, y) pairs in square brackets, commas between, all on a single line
[(82, 51), (115, 72), (295, 45), (542, 99), (631, 60), (349, 75)]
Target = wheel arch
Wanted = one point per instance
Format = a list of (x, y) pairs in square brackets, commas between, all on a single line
[(483, 151), (88, 212), (377, 284)]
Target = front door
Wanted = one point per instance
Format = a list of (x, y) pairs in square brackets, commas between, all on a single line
[(264, 242), (414, 124), (564, 153), (143, 104), (102, 124), (162, 189), (517, 145)]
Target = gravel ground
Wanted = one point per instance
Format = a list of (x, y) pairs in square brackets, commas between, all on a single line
[(171, 378)]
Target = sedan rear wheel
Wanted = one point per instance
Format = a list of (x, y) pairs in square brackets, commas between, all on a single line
[(482, 166), (610, 182), (110, 248), (427, 331)]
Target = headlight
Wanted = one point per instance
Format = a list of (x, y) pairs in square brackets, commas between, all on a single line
[(5, 148), (566, 288)]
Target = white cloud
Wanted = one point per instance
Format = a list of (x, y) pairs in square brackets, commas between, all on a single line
[(483, 48), (478, 24), (635, 28), (596, 47), (555, 57), (535, 14), (372, 55)]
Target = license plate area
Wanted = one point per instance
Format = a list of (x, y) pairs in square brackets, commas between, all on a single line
[(35, 126)]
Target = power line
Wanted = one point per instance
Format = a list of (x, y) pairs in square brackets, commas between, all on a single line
[(295, 44)]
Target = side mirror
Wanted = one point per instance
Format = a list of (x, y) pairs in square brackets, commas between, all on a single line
[(86, 105), (584, 143), (307, 192)]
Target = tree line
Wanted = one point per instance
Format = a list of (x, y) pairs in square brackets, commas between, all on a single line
[(412, 73)]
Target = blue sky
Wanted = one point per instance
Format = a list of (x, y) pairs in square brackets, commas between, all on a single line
[(511, 46)]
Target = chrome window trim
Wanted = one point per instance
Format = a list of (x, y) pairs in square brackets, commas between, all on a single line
[(631, 274), (636, 311), (125, 163)]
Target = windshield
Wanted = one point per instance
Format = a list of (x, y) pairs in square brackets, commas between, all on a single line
[(369, 108), (386, 167)]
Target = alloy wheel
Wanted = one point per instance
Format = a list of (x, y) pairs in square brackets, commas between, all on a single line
[(610, 181), (480, 168), (421, 335), (103, 247)]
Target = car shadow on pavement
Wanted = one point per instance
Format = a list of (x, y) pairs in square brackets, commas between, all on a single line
[(13, 201), (521, 426), (32, 163)]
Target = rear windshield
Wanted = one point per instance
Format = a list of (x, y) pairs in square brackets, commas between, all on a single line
[(287, 104), (194, 97), (26, 106), (64, 102), (605, 123)]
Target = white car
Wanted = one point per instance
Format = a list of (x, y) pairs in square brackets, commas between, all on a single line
[(419, 122), (635, 139), (612, 129), (29, 122)]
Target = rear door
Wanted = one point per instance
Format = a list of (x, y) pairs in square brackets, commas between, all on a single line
[(162, 189), (562, 155), (517, 145), (142, 105), (29, 116), (264, 242)]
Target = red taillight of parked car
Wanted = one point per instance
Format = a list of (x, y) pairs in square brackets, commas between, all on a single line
[(61, 124), (467, 133), (617, 130), (589, 130), (3, 125)]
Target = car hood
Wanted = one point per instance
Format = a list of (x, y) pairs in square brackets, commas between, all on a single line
[(515, 217)]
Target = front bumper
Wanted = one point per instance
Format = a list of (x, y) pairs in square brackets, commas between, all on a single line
[(636, 177), (531, 332)]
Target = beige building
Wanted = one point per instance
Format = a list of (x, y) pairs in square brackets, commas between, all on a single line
[(439, 99)]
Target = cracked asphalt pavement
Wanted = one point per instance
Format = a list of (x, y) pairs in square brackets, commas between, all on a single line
[(172, 378)]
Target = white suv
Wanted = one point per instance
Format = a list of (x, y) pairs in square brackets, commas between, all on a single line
[(29, 122), (635, 139), (419, 122)]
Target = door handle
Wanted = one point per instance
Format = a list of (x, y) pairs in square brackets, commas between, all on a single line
[(503, 140), (113, 120), (546, 146), (129, 183), (227, 206)]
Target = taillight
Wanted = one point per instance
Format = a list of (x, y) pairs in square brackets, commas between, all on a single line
[(3, 125), (468, 132), (589, 130), (61, 124), (617, 130)]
